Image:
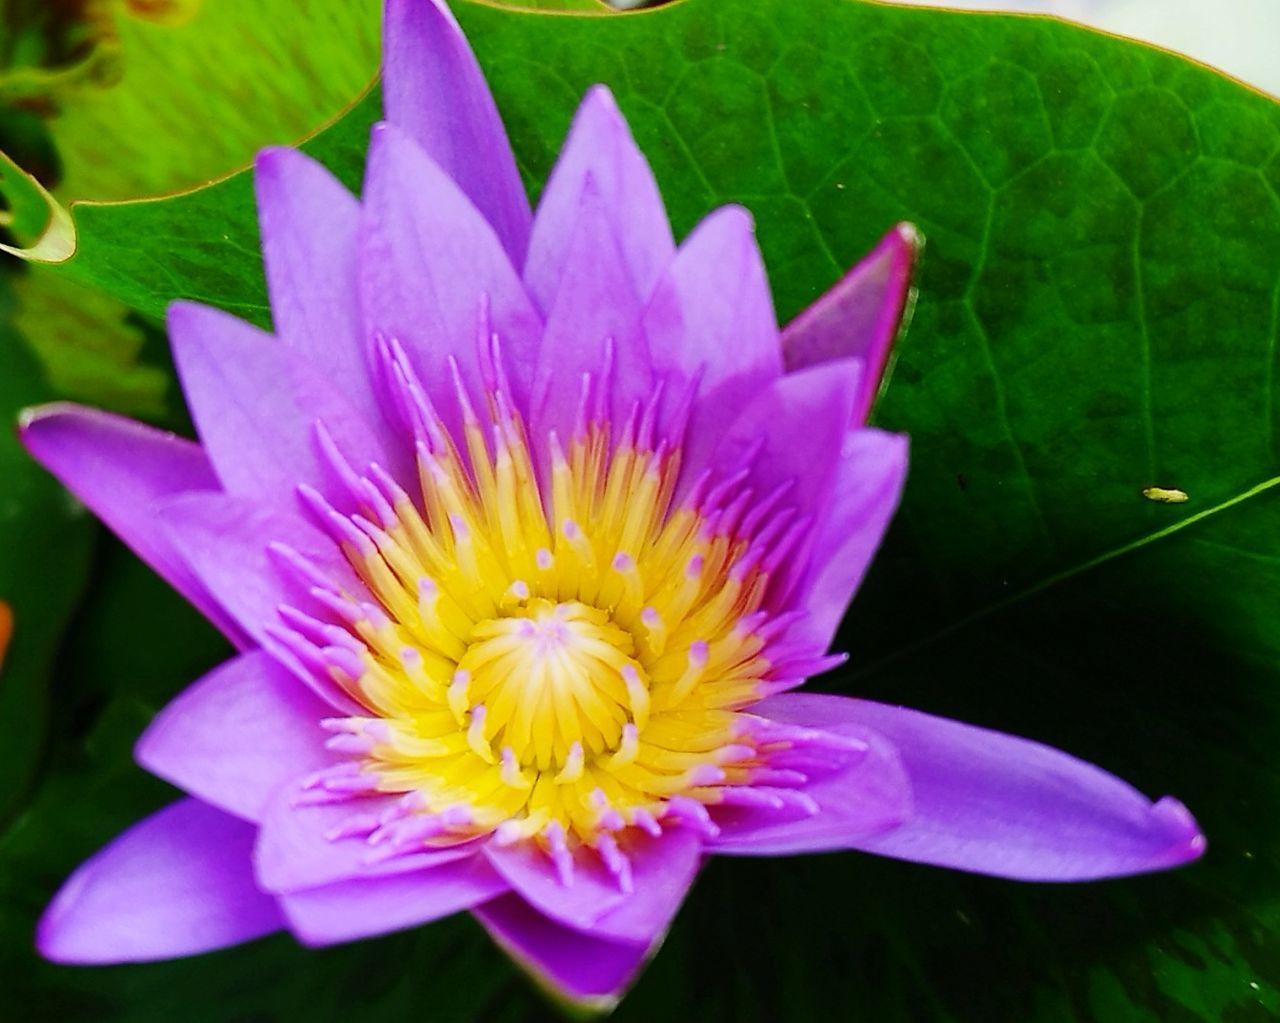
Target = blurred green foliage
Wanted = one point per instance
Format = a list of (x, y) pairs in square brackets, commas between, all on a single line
[(109, 100)]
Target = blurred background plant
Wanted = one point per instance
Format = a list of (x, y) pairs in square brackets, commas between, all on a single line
[(109, 100)]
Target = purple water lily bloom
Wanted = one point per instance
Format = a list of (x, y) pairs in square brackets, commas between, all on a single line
[(526, 527)]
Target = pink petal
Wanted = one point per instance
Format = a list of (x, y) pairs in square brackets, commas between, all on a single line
[(225, 539), (861, 317), (309, 223), (300, 845), (854, 795), (711, 318), (599, 147), (237, 735), (255, 403), (429, 265), (596, 312), (588, 973), (178, 883), (868, 486), (433, 88), (119, 469), (996, 804), (361, 909), (662, 869), (790, 434)]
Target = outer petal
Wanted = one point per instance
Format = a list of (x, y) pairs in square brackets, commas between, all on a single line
[(255, 402), (600, 147), (309, 226), (662, 871), (868, 486), (302, 846), (433, 88), (178, 883), (120, 468), (593, 328), (861, 316), (711, 318), (429, 264), (237, 735), (225, 539), (359, 909), (996, 804), (589, 973), (857, 795)]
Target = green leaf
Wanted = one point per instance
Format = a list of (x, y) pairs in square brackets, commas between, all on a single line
[(1098, 315), (554, 6), (142, 100), (179, 98)]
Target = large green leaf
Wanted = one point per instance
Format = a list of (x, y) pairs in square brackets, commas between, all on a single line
[(1098, 315)]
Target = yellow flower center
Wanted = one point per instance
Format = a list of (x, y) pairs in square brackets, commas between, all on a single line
[(561, 661), (553, 683)]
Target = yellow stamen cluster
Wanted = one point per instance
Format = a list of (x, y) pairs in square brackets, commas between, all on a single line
[(563, 667)]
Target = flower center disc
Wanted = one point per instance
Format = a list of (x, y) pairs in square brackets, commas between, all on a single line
[(552, 682)]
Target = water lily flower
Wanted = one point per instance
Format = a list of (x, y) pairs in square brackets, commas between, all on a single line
[(526, 527)]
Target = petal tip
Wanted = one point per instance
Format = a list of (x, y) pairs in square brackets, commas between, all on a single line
[(738, 217), (579, 986), (55, 937), (272, 168), (33, 415), (399, 13), (269, 158), (179, 314), (382, 137), (1189, 842), (70, 937), (148, 743), (601, 96), (910, 236)]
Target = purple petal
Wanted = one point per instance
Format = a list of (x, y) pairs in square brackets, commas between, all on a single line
[(255, 403), (119, 469), (593, 328), (360, 909), (790, 433), (861, 317), (662, 869), (433, 88), (301, 845), (599, 147), (430, 263), (868, 486), (224, 539), (711, 318), (237, 735), (589, 973), (855, 794), (996, 804), (309, 225), (178, 883)]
